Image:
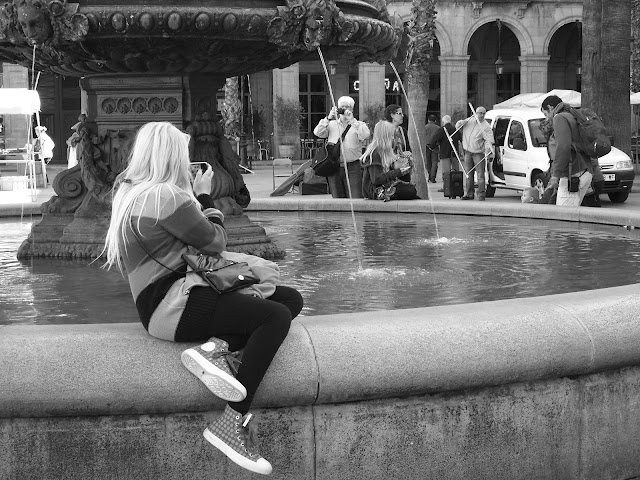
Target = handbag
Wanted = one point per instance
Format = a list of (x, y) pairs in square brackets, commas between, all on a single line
[(326, 160), (396, 190), (221, 274)]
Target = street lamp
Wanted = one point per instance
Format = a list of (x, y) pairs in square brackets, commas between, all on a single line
[(499, 66), (333, 66)]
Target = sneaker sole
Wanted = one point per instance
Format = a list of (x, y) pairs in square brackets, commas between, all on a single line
[(217, 380), (264, 467)]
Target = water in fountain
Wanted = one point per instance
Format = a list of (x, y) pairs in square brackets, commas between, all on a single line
[(404, 265)]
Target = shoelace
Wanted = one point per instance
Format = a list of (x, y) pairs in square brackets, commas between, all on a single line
[(232, 359), (250, 433)]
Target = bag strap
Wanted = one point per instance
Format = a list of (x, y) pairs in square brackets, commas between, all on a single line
[(147, 251), (344, 134)]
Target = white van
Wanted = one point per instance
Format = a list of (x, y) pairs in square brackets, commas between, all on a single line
[(523, 150)]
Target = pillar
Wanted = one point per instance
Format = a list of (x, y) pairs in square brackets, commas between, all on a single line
[(371, 77), (453, 84), (15, 126), (533, 73), (286, 85)]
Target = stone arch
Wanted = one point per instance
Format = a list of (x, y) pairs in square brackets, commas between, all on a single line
[(446, 46), (555, 28), (518, 29)]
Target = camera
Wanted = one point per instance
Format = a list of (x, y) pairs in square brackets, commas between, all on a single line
[(574, 184), (341, 111)]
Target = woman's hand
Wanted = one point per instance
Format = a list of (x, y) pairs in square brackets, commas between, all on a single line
[(202, 182)]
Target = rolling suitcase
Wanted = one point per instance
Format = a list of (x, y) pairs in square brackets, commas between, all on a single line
[(453, 185)]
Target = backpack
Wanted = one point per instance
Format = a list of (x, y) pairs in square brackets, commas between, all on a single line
[(594, 140)]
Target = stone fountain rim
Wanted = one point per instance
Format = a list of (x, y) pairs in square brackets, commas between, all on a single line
[(507, 341)]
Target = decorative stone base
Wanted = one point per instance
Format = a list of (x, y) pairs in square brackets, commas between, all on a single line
[(66, 236)]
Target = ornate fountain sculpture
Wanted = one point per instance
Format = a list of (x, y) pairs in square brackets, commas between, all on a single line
[(165, 62)]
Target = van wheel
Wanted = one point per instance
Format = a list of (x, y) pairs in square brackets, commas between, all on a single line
[(490, 191), (618, 197), (538, 181)]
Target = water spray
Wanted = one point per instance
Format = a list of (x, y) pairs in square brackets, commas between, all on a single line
[(344, 161)]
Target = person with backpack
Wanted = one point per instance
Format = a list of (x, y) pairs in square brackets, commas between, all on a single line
[(570, 168)]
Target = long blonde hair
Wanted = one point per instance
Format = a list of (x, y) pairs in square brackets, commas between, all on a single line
[(382, 143), (159, 159)]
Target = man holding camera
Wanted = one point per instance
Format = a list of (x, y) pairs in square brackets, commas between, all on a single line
[(333, 128), (569, 170)]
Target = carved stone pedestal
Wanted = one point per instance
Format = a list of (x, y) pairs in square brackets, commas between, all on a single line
[(76, 219)]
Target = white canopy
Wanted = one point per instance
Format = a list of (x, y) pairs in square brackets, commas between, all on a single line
[(19, 101), (570, 97)]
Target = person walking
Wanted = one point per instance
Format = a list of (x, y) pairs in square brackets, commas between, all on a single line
[(158, 215), (332, 127), (432, 153), (448, 157), (477, 142), (569, 170)]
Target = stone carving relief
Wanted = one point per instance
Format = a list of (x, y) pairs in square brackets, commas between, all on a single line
[(86, 188), (477, 8), (208, 144), (139, 105), (42, 22), (521, 9), (78, 39)]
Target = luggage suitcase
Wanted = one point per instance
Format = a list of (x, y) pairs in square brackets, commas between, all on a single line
[(453, 185)]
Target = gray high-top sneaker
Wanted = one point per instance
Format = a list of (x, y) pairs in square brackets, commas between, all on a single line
[(216, 366), (233, 436)]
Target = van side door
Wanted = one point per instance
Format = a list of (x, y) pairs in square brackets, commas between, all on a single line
[(514, 159)]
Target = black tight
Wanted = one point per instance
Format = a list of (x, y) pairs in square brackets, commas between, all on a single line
[(257, 325)]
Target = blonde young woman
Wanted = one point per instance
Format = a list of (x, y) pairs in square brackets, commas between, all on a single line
[(379, 160), (157, 214)]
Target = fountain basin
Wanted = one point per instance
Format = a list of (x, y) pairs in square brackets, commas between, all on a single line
[(545, 387)]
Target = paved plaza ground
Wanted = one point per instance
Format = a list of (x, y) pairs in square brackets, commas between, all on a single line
[(260, 184)]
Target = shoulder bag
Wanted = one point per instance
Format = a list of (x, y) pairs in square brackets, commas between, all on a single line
[(221, 274), (326, 160)]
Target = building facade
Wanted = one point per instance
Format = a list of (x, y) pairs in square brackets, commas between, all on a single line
[(538, 43)]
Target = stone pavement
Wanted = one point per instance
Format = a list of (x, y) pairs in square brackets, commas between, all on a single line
[(260, 185)]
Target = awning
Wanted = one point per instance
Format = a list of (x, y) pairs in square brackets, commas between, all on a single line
[(19, 101), (569, 97)]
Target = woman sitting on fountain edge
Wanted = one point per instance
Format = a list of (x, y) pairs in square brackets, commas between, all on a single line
[(156, 209)]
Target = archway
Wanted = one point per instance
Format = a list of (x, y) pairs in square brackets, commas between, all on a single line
[(565, 51), (490, 41)]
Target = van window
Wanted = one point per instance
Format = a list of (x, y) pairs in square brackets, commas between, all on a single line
[(500, 130), (537, 137), (516, 136)]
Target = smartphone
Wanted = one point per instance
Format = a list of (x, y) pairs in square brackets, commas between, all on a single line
[(195, 166)]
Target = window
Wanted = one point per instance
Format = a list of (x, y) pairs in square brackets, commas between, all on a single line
[(516, 136), (313, 98), (507, 86), (500, 130), (433, 106), (537, 137)]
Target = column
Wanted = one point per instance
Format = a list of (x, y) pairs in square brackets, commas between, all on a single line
[(453, 84), (286, 85), (371, 93), (15, 126), (533, 73)]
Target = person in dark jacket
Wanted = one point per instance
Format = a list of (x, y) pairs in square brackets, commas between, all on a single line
[(448, 158), (568, 164)]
